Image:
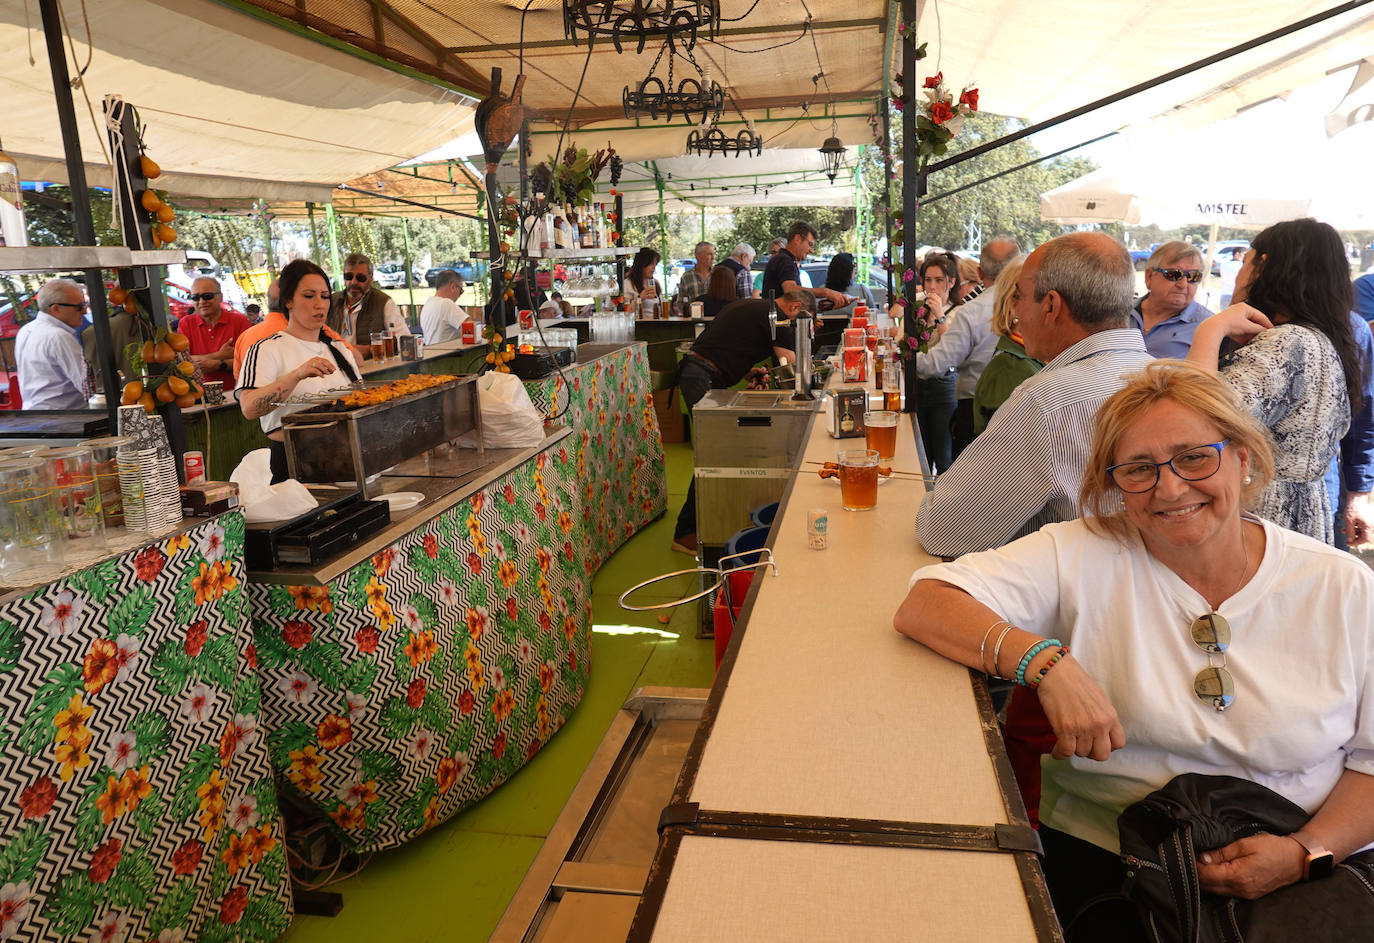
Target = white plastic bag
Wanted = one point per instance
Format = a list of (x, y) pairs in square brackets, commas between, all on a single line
[(509, 419), (263, 501)]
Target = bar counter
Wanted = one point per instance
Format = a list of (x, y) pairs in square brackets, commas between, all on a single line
[(412, 676), (864, 767)]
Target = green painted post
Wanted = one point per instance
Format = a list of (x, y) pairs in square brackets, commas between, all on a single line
[(410, 283), (267, 230), (662, 230), (703, 222), (334, 258), (314, 234), (863, 223)]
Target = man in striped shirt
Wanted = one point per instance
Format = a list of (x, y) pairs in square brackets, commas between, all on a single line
[(1072, 307)]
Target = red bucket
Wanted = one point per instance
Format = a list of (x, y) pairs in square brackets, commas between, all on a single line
[(722, 616)]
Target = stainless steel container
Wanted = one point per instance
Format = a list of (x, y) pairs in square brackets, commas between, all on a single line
[(746, 443), (331, 442)]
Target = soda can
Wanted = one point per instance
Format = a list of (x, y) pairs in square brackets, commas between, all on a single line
[(526, 320), (195, 467), (817, 528), (469, 332)]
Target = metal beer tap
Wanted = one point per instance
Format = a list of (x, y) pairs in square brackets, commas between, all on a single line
[(802, 326)]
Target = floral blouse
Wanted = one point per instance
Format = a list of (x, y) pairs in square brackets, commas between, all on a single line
[(1291, 379)]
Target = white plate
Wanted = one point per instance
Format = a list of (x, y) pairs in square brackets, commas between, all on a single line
[(403, 500)]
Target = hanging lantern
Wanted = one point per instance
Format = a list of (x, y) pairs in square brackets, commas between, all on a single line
[(832, 154), (715, 141), (636, 21)]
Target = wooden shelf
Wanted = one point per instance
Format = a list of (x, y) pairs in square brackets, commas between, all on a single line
[(69, 258)]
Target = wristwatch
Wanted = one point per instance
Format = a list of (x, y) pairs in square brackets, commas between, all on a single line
[(1319, 862)]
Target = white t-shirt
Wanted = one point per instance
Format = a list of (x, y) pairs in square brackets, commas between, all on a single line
[(283, 352), (1300, 654), (442, 320)]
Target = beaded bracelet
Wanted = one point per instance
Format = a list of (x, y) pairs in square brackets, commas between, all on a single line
[(983, 648), (1031, 652), (1034, 683)]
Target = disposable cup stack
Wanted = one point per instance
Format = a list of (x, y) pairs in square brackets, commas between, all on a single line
[(133, 464)]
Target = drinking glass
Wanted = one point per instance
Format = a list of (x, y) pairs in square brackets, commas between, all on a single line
[(389, 345), (859, 479), (30, 525), (379, 345), (78, 495), (105, 459), (880, 432)]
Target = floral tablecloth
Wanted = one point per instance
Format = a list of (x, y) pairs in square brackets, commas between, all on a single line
[(616, 442), (421, 679), (139, 799)]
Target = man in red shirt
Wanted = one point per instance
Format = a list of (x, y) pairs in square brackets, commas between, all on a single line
[(212, 331)]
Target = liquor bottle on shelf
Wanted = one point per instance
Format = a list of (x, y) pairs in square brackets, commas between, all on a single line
[(560, 230), (574, 230), (602, 235), (546, 237), (12, 230), (588, 233)]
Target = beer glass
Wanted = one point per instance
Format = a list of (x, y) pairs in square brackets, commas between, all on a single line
[(859, 479), (880, 432), (379, 345)]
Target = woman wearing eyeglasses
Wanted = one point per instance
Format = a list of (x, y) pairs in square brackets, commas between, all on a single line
[(1294, 362), (1166, 632)]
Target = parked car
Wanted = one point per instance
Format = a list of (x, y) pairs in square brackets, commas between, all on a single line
[(805, 281), (393, 275), (465, 269), (200, 264), (545, 280)]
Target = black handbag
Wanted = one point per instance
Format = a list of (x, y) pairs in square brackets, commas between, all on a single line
[(1162, 834)]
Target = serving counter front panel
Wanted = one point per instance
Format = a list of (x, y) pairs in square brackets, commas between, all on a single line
[(419, 680), (140, 802), (619, 450)]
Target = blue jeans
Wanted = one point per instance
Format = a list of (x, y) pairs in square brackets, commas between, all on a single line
[(935, 402)]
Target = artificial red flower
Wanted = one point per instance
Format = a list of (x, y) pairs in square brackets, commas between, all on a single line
[(187, 858), (934, 80), (105, 860), (149, 563), (970, 98), (195, 637), (940, 112), (415, 694), (233, 905), (296, 633), (37, 799), (367, 638)]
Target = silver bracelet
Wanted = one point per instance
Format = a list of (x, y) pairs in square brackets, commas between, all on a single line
[(983, 646), (997, 651)]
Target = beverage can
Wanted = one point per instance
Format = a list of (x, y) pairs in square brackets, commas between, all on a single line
[(818, 528), (469, 332), (195, 467), (526, 320)]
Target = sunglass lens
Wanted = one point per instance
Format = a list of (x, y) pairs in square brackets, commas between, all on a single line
[(1212, 633), (1215, 685)]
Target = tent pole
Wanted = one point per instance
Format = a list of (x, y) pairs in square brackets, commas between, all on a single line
[(863, 224), (82, 224), (662, 229), (913, 182), (314, 234), (267, 232), (334, 241), (410, 282), (887, 197), (703, 222)]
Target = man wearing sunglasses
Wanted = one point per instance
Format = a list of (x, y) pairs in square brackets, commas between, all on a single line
[(1168, 315), (52, 371), (212, 331), (362, 309)]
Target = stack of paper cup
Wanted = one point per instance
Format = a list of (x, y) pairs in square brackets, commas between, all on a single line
[(168, 490), (132, 463)]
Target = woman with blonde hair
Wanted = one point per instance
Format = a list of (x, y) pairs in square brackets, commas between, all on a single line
[(1123, 623), (1010, 364)]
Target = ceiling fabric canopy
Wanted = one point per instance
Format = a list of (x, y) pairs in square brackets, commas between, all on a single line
[(1040, 60), (233, 109), (790, 66)]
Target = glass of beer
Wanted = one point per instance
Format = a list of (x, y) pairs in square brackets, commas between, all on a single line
[(880, 432), (859, 479), (389, 344), (379, 345)]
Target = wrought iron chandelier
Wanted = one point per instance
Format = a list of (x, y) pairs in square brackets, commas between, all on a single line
[(715, 141), (697, 100), (635, 21)]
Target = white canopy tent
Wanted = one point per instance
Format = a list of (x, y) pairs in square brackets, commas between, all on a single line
[(234, 109)]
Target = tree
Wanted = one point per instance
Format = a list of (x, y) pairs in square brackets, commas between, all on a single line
[(1008, 204)]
